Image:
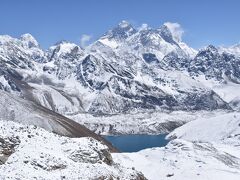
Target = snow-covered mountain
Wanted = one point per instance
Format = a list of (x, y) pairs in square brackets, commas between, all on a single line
[(126, 70), (213, 63), (234, 49)]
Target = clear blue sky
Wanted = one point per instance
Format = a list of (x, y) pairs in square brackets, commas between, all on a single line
[(204, 21)]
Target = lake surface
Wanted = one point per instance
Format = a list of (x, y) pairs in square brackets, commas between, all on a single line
[(134, 143)]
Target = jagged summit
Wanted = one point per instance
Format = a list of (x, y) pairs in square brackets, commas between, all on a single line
[(145, 39), (122, 31), (234, 49), (211, 48), (166, 34), (124, 24), (64, 47), (29, 40), (61, 42), (5, 38), (144, 27)]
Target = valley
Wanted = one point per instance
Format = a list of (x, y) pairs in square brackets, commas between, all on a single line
[(166, 110)]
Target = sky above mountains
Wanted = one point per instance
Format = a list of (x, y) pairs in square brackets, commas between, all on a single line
[(202, 22)]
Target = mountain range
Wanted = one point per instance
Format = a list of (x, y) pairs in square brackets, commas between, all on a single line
[(126, 70)]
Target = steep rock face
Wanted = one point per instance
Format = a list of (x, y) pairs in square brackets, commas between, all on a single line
[(20, 53), (217, 65), (7, 147), (7, 77), (63, 59)]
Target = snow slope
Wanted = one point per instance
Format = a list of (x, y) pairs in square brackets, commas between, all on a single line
[(221, 128), (33, 153), (204, 149), (186, 160), (13, 108)]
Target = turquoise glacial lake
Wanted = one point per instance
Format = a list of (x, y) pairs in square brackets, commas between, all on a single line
[(134, 143)]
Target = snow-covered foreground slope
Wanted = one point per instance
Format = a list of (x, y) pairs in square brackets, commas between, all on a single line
[(184, 160), (28, 152), (205, 149), (224, 128)]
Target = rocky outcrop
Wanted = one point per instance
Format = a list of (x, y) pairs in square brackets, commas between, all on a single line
[(7, 147)]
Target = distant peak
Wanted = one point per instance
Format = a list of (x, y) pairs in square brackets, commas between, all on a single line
[(61, 42), (166, 34), (236, 45), (144, 27), (124, 24), (122, 31), (65, 47), (165, 30), (211, 48), (26, 35), (5, 38), (175, 29), (29, 40)]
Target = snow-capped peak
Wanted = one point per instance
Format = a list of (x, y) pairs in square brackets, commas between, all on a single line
[(166, 34), (29, 41), (235, 49), (5, 38), (210, 48), (176, 30), (122, 31), (64, 47), (124, 24), (172, 35), (144, 27)]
